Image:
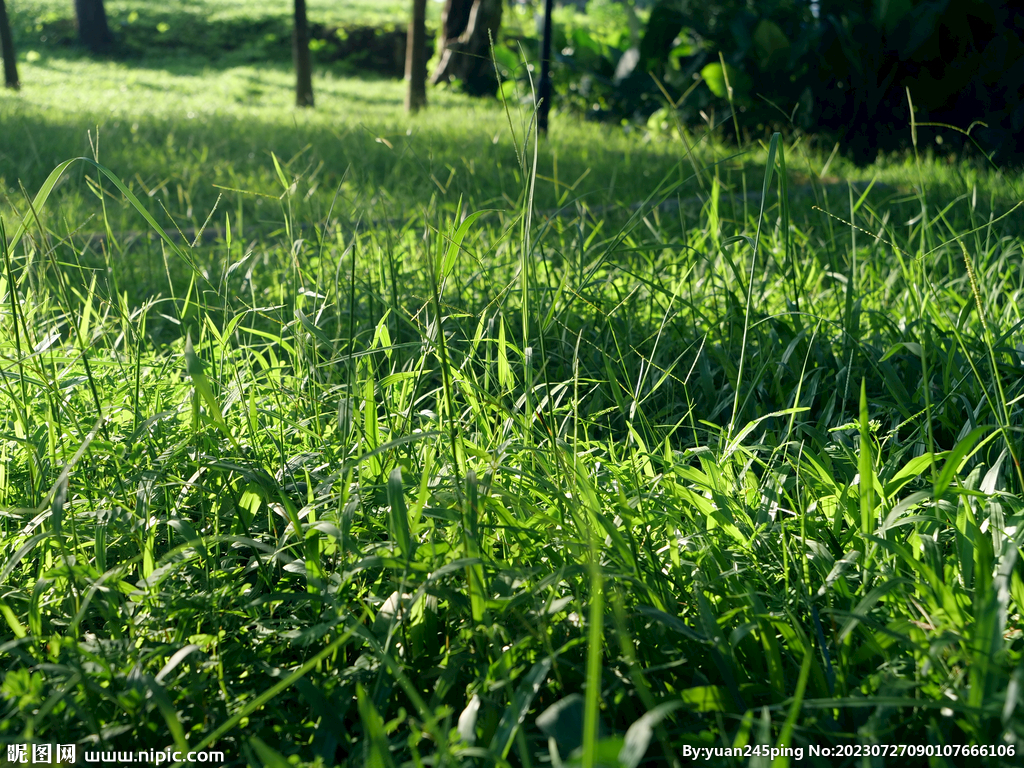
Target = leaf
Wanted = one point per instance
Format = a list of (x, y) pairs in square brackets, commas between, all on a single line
[(312, 328), (671, 622), (455, 243), (770, 643), (194, 368), (504, 369), (506, 57), (375, 738), (714, 76), (280, 172), (174, 661), (867, 471), (156, 693), (516, 710), (912, 469), (382, 339), (860, 612), (23, 550), (605, 752), (371, 429), (563, 722), (581, 38), (737, 441), (706, 698), (956, 458), (664, 24), (769, 170), (60, 498), (253, 704), (399, 515), (890, 13), (627, 65), (467, 720), (786, 736), (507, 90), (771, 44), (638, 737), (346, 407), (270, 757), (12, 620), (51, 181), (321, 706)]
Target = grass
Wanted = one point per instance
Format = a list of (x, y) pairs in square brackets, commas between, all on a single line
[(239, 115), (368, 478), (29, 19)]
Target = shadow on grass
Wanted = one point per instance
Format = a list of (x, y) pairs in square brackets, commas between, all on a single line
[(185, 162), (387, 167), (392, 188), (155, 37)]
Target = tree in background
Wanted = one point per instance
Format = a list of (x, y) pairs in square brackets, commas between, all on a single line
[(838, 70), (467, 28), (300, 52), (416, 58), (93, 30), (544, 92), (7, 48)]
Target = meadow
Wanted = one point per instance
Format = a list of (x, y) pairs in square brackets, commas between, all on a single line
[(343, 437)]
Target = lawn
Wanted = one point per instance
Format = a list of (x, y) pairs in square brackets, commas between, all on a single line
[(29, 17), (427, 444), (26, 15)]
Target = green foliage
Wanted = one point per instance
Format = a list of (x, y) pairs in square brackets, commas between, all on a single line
[(842, 77), (227, 33), (442, 460)]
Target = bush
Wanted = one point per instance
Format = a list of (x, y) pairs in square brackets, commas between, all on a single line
[(843, 76)]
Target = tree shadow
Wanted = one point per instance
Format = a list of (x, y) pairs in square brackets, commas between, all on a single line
[(181, 163), (153, 37)]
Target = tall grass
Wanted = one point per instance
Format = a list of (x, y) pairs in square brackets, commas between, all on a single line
[(448, 485)]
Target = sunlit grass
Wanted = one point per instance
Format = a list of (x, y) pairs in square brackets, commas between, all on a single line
[(26, 12), (184, 124), (365, 479), (200, 127)]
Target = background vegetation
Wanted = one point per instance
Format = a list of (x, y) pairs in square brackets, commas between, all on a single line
[(847, 73)]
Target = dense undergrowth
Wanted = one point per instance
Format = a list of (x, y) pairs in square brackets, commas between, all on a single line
[(361, 481)]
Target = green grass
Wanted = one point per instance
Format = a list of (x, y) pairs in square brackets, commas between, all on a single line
[(29, 17), (366, 479), (229, 120)]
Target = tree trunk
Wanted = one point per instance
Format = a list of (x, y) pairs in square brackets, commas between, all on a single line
[(544, 94), (7, 48), (416, 58), (93, 31), (300, 52), (467, 29)]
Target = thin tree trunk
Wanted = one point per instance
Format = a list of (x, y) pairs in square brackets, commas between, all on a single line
[(300, 52), (93, 30), (416, 58), (544, 96), (467, 29), (7, 47)]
